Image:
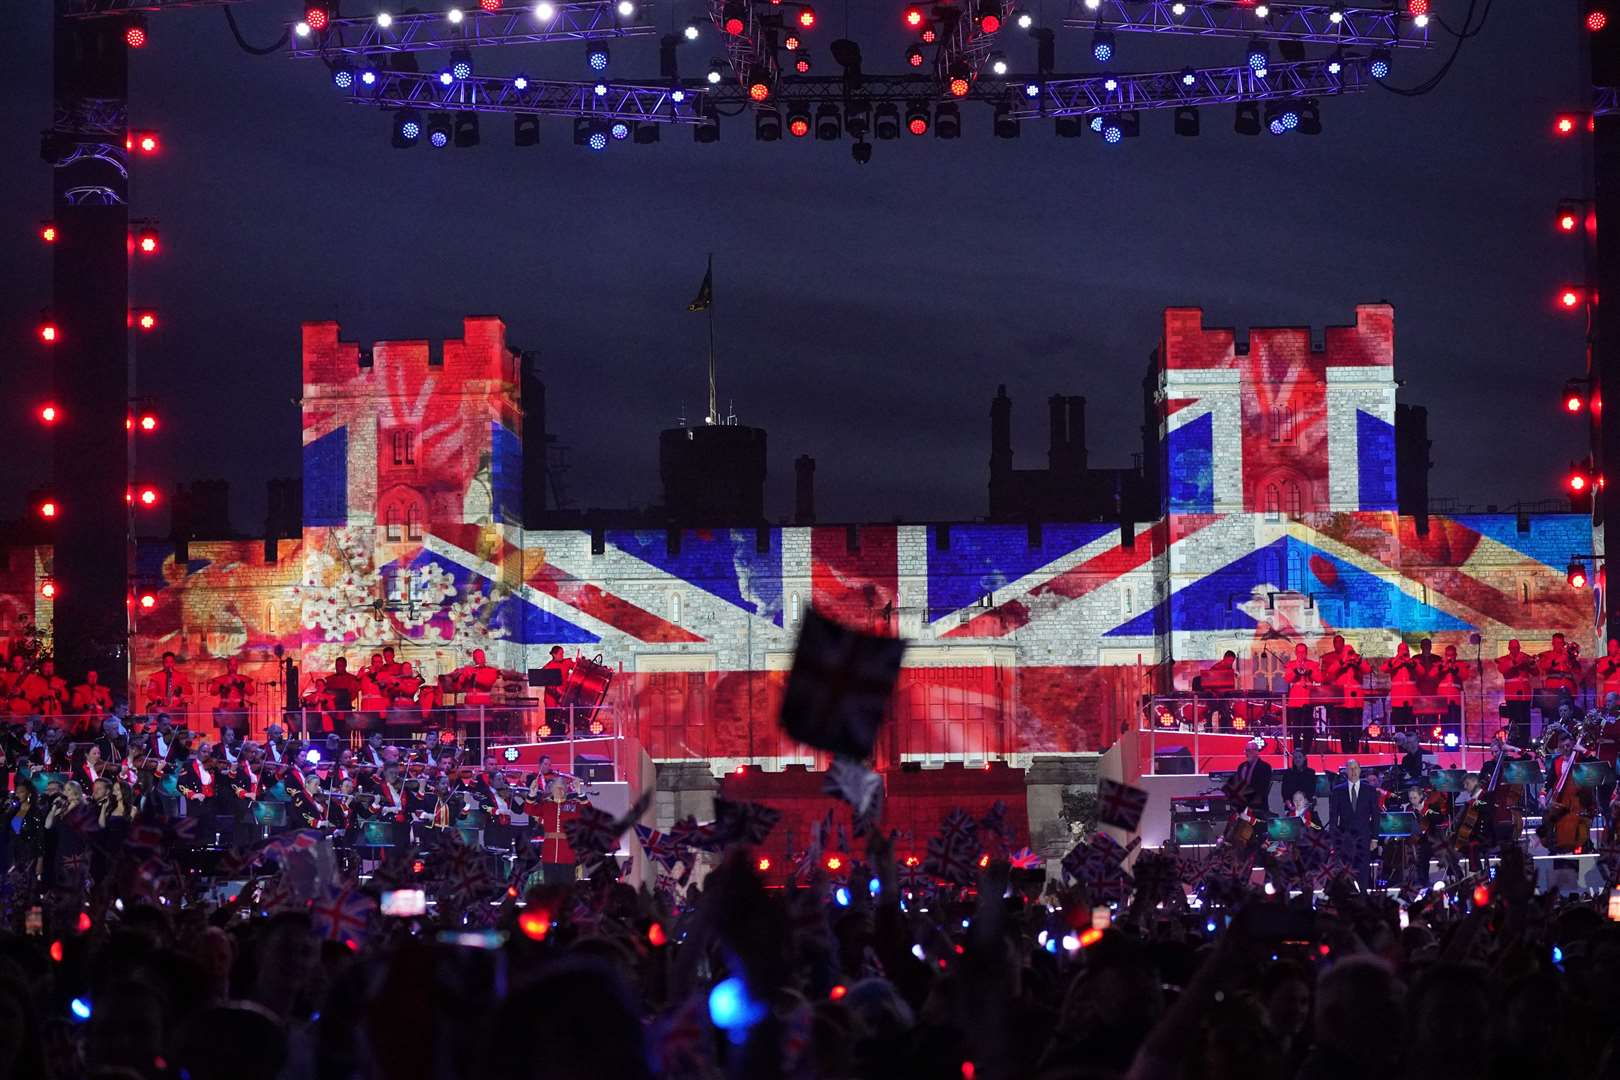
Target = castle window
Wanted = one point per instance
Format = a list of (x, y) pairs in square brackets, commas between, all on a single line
[(404, 448), (1291, 500), (1282, 424), (392, 519), (413, 523), (1273, 503)]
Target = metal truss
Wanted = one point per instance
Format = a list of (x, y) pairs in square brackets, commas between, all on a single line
[(1605, 100), (621, 101), (747, 52), (1210, 86), (431, 30), (91, 9), (1309, 23), (967, 44), (92, 195), (72, 153)]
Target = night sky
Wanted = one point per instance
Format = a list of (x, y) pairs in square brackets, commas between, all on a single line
[(865, 314)]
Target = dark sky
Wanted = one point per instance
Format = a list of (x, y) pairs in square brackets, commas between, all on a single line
[(865, 314)]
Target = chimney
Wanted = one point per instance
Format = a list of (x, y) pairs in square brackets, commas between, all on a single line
[(804, 490), (1000, 431), (1057, 452), (1077, 433)]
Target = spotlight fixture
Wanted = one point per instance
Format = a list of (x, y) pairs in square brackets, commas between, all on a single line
[(930, 34), (466, 128), (146, 241), (692, 30), (886, 121), (645, 132), (861, 152), (1069, 127), (858, 119), (135, 32), (1336, 14), (917, 121), (317, 17), (343, 76), (767, 124), (807, 16), (1335, 63), (715, 73), (440, 131), (384, 20), (368, 76), (453, 16), (596, 135), (1112, 133), (626, 9), (1186, 118), (989, 21), (998, 64), (545, 11), (619, 130), (1247, 119), (1568, 216), (1310, 117), (1378, 64), (829, 123), (914, 56), (801, 62), (596, 56), (1023, 19), (1256, 56), (913, 17), (1102, 46), (1006, 125), (759, 88), (1189, 77), (407, 128), (734, 17), (798, 121), (1274, 120), (948, 121)]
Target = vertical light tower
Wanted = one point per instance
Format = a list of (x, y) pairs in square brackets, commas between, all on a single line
[(86, 147)]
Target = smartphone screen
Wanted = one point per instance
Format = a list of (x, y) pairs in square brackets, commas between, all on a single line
[(404, 903), (1614, 904)]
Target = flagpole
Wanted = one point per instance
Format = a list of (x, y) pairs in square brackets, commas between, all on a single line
[(714, 408)]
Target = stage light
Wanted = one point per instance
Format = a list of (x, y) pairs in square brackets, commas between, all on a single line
[(47, 588), (833, 862), (384, 20), (730, 1007), (677, 94), (1093, 5), (1565, 124), (1246, 121), (148, 601), (445, 78), (959, 86), (47, 233), (1262, 11), (759, 89), (708, 128), (596, 56), (1336, 14), (1032, 89), (763, 865), (807, 16), (1006, 124), (520, 82), (914, 56), (48, 414), (1178, 9), (1574, 400), (466, 127), (734, 17), (1102, 46), (368, 76), (801, 63), (1256, 55), (619, 130), (453, 16), (149, 422), (1417, 7), (1310, 118), (1577, 575), (886, 121), (913, 17), (791, 42), (1274, 121), (343, 76), (947, 121), (461, 65), (1186, 120), (1378, 64), (526, 129), (597, 136), (1570, 298), (998, 64), (1112, 133), (799, 121), (917, 118), (930, 34), (1577, 481), (1451, 740), (841, 896), (490, 5), (1189, 77), (1482, 895), (48, 509), (829, 123), (48, 332), (1289, 117), (535, 925), (715, 74), (1023, 19), (301, 29), (148, 496), (1596, 18), (1095, 123), (989, 22), (135, 32), (691, 31), (1068, 127), (144, 141), (439, 130), (626, 9), (316, 17), (1110, 84), (407, 128)]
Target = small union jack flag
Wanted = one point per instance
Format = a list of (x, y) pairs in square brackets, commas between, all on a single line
[(1120, 805), (689, 835), (658, 846), (840, 686), (591, 832), (912, 878), (342, 914), (744, 822), (145, 838), (949, 861), (1024, 859)]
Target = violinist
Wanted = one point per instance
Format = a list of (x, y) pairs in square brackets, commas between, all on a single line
[(1301, 674), (1402, 687), (1517, 669)]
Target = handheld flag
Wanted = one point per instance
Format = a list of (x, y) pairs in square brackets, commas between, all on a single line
[(839, 687), (1120, 805)]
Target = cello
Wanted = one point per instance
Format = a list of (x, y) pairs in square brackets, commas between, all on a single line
[(1478, 812), (1566, 821)]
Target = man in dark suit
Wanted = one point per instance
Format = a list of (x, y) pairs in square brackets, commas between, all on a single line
[(1251, 784), (1352, 822)]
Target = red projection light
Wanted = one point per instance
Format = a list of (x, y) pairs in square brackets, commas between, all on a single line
[(1417, 7), (1571, 298), (959, 86), (146, 320), (49, 414), (917, 125), (759, 90), (148, 422), (801, 63), (48, 332), (47, 588), (1577, 575), (734, 25), (148, 496), (929, 35), (791, 42), (914, 17), (1577, 482), (989, 22), (1565, 123), (135, 33), (47, 233), (807, 17), (148, 601), (147, 241), (48, 509), (799, 126), (316, 17), (1596, 19)]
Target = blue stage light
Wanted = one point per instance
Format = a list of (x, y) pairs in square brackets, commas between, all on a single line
[(874, 886), (1112, 133), (1102, 46), (619, 130), (841, 896), (598, 140), (343, 76), (1290, 118), (369, 76), (445, 78), (1032, 89), (597, 57), (1276, 125), (1096, 123), (1378, 67), (1110, 84), (1257, 57), (1210, 926), (80, 1007), (600, 89), (410, 130), (520, 83), (677, 95), (730, 1007), (1189, 77), (1452, 740), (461, 69), (439, 139)]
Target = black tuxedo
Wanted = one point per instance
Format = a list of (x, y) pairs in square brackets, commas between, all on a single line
[(1353, 824), (1253, 787)]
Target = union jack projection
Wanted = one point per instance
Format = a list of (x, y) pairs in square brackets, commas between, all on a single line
[(1279, 526)]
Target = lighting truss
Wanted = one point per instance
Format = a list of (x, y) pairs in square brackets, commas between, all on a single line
[(1310, 23), (1605, 101), (1210, 86), (90, 9), (967, 43), (745, 52), (623, 101), (419, 32)]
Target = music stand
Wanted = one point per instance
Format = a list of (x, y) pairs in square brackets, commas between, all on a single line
[(1522, 771), (1324, 785), (1447, 779), (1195, 832), (1397, 825), (1285, 830), (1592, 774)]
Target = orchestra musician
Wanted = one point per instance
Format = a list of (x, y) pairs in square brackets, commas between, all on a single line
[(90, 698), (1560, 668), (1348, 713), (1607, 670), (1427, 669), (1301, 717), (1352, 816), (45, 690), (11, 682), (1302, 808), (114, 740), (1402, 687), (375, 687), (371, 754), (275, 744), (403, 686), (1249, 789), (165, 689), (1452, 678), (1517, 668), (477, 680), (232, 691)]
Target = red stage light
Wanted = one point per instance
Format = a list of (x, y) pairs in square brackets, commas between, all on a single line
[(1577, 482), (316, 17), (148, 422), (1574, 403), (48, 332), (833, 862), (989, 22), (763, 866), (984, 861), (47, 233), (1417, 7), (82, 924), (1482, 895), (1577, 575), (1240, 723), (56, 951), (759, 90), (148, 601), (1436, 732), (1564, 124), (799, 126), (1596, 19), (837, 992), (914, 56), (146, 320), (48, 509), (1567, 222), (791, 43), (48, 413), (918, 125), (912, 860), (148, 496), (807, 17), (914, 17), (801, 64), (535, 925), (47, 588), (135, 34), (734, 25), (929, 35), (1090, 936), (490, 5), (147, 241), (656, 936), (959, 86), (1570, 298)]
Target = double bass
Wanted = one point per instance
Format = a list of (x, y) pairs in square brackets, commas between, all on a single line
[(1566, 820), (1478, 812)]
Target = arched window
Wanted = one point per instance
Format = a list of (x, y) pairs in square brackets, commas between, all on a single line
[(413, 522), (793, 609), (1291, 500), (1273, 503), (391, 519), (675, 608)]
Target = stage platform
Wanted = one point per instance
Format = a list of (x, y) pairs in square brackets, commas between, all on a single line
[(1202, 752)]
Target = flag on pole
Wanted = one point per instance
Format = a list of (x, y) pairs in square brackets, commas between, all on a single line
[(705, 293)]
